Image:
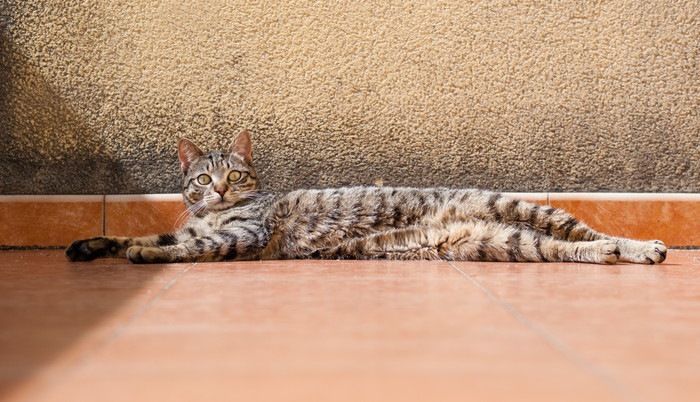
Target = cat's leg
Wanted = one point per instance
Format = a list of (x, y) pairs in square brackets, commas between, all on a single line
[(473, 241), (209, 248), (563, 226), (488, 241), (115, 247), (411, 243), (234, 244)]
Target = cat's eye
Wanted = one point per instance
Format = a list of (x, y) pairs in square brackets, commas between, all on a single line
[(234, 176), (203, 179)]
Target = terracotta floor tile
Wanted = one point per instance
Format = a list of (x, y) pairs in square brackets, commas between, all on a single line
[(63, 219), (331, 385), (328, 330), (640, 324), (142, 215), (54, 313), (347, 330)]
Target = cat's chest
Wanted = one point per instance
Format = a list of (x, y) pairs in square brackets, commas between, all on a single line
[(202, 226), (221, 221)]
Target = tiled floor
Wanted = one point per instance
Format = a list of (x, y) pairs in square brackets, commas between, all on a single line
[(348, 331)]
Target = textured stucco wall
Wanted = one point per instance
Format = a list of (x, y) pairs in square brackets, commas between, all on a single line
[(510, 95)]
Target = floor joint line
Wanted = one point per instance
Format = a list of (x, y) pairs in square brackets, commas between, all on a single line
[(138, 313), (114, 334), (597, 372)]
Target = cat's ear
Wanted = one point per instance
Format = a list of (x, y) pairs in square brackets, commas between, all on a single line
[(188, 153), (241, 147)]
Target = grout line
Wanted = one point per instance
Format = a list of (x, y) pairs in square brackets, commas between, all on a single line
[(104, 215), (626, 197), (142, 310), (607, 379), (170, 197), (39, 198), (119, 330), (549, 196)]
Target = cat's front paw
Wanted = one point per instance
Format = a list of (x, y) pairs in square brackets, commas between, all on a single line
[(146, 255), (88, 249)]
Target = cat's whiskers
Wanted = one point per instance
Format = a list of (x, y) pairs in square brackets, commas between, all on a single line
[(200, 206), (182, 218), (191, 211), (250, 195), (211, 199)]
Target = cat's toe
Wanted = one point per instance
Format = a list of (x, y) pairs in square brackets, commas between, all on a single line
[(654, 252), (135, 254), (609, 253), (659, 253)]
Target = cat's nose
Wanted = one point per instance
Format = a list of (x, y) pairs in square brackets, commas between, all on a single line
[(221, 190)]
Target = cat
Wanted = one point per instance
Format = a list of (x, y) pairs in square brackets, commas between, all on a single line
[(232, 219)]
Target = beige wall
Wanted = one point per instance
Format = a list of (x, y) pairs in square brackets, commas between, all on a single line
[(509, 95)]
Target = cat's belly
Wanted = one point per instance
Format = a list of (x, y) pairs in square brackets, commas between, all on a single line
[(301, 242)]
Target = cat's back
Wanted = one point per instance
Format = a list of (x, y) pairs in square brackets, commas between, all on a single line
[(329, 215), (370, 200), (346, 203)]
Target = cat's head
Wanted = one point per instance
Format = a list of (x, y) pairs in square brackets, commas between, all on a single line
[(217, 180)]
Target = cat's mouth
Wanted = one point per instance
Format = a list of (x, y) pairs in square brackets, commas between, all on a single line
[(217, 203)]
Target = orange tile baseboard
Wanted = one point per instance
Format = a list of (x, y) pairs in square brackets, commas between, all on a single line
[(57, 220), (143, 215), (49, 220), (672, 218)]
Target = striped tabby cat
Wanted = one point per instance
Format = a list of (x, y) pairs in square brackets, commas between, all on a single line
[(231, 219)]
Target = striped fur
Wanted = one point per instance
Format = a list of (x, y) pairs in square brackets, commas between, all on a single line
[(231, 219)]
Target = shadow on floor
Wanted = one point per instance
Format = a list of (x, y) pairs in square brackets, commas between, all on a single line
[(45, 312)]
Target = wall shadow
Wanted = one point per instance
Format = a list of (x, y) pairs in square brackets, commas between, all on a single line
[(48, 305), (45, 148)]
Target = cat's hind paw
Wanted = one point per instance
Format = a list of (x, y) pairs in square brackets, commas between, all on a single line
[(655, 252), (651, 252)]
